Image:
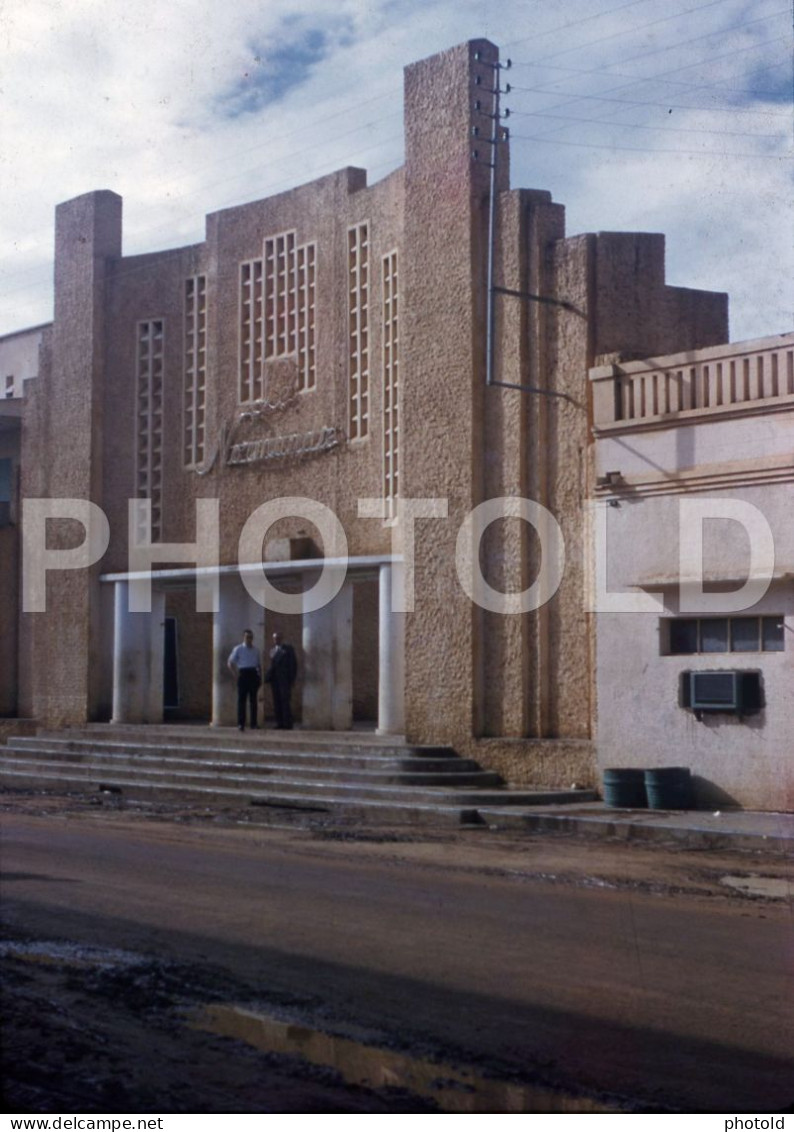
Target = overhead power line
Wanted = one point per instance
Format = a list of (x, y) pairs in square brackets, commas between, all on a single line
[(660, 104), (634, 29), (642, 126), (708, 153), (576, 23), (752, 92), (650, 78)]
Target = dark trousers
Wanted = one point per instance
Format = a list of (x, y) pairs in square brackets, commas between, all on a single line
[(247, 688), (282, 693)]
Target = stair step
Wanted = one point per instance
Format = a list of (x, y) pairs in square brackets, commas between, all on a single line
[(358, 773), (416, 813), (404, 799), (225, 738), (243, 776), (242, 756)]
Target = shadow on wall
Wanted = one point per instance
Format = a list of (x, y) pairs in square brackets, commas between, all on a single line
[(753, 720), (709, 796)]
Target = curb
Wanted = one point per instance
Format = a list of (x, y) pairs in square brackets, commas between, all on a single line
[(623, 827)]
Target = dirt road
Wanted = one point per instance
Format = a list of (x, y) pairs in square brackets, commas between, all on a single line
[(622, 975)]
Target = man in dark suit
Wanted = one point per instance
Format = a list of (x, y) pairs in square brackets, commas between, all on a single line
[(281, 676)]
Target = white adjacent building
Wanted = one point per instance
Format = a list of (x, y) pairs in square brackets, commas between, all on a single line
[(694, 458)]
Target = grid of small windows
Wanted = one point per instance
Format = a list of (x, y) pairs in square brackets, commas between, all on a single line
[(251, 330), (277, 313), (307, 289), (195, 379), (280, 291), (149, 420), (688, 635), (391, 362), (358, 310)]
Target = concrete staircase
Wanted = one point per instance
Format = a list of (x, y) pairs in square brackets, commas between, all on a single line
[(359, 773)]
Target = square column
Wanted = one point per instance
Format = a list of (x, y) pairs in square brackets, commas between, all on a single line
[(391, 655), (328, 663), (237, 611), (138, 648)]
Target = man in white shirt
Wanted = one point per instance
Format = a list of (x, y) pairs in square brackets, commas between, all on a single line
[(245, 663)]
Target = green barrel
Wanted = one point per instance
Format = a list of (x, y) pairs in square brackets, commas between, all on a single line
[(669, 788), (624, 787)]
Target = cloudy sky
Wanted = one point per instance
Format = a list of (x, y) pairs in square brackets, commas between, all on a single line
[(636, 115)]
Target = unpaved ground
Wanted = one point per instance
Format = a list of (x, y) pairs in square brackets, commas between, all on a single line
[(93, 1030), (96, 1030), (656, 866), (95, 1034)]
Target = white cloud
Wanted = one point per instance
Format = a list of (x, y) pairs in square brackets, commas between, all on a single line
[(140, 98)]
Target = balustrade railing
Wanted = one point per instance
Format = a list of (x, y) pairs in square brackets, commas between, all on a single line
[(702, 382)]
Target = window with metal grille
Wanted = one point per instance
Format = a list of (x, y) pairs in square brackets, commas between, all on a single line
[(195, 377), (149, 421), (684, 636), (358, 323), (391, 383)]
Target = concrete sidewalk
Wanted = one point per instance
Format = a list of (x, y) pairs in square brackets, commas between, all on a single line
[(737, 829)]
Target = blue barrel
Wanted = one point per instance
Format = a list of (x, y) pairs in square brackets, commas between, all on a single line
[(624, 787), (669, 788)]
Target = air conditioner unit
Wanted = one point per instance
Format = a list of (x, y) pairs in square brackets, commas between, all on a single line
[(716, 691)]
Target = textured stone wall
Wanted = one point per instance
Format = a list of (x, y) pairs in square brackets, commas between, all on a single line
[(443, 388), (568, 683), (152, 287), (636, 313), (539, 762), (9, 728), (62, 456)]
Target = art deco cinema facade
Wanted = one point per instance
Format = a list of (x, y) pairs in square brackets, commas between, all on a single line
[(330, 344)]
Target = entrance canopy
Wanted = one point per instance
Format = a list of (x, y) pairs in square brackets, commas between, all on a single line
[(237, 595)]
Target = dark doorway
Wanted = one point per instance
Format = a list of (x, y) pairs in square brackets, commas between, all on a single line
[(170, 665)]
